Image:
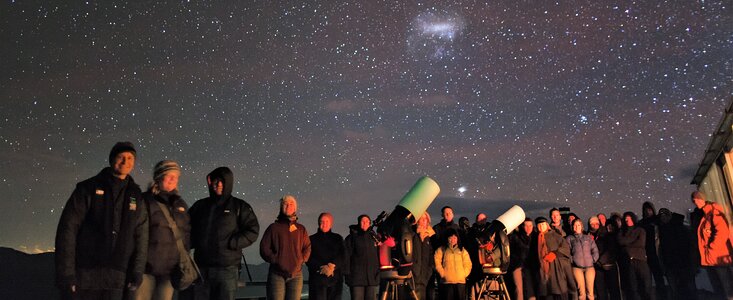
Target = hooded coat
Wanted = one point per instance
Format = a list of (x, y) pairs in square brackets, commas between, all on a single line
[(674, 244), (102, 237), (650, 224), (555, 281), (221, 226), (632, 241)]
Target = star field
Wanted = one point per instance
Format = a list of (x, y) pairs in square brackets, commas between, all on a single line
[(595, 105)]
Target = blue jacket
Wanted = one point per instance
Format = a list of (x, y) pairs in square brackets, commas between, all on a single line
[(583, 250)]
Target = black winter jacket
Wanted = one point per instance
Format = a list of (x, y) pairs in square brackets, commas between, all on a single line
[(163, 254), (439, 239), (102, 237), (608, 248), (423, 260), (519, 249), (326, 247), (221, 226), (633, 243), (362, 258)]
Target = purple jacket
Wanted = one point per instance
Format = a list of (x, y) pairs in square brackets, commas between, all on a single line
[(583, 250)]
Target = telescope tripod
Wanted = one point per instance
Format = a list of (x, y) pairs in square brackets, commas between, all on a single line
[(492, 286), (398, 287)]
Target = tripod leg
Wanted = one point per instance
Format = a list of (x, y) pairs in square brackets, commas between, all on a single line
[(504, 289)]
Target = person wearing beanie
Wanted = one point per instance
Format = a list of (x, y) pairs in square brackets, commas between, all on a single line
[(632, 240), (102, 236), (163, 253), (713, 241), (286, 246), (545, 250), (221, 226)]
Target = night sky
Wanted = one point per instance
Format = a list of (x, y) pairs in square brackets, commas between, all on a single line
[(594, 105)]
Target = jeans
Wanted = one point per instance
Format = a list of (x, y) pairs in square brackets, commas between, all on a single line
[(363, 292), (154, 288), (219, 283), (281, 288), (585, 277)]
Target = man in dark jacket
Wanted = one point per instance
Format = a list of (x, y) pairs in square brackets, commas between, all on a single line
[(286, 247), (607, 283), (221, 226), (102, 237), (650, 223), (632, 241), (675, 248), (326, 263)]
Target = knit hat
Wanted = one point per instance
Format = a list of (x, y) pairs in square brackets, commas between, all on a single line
[(593, 219), (163, 167), (540, 220), (119, 148)]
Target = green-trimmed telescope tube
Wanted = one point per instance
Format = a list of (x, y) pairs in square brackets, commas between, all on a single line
[(412, 205)]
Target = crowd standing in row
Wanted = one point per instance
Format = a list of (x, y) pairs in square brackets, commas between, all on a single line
[(116, 242)]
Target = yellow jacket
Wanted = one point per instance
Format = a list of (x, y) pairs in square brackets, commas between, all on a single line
[(453, 264)]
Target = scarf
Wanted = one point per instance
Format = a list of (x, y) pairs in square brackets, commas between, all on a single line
[(543, 251), (425, 232)]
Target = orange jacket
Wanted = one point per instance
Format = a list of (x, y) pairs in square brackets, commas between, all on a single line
[(713, 236)]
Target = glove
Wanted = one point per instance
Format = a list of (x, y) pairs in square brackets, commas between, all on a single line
[(331, 269), (134, 280), (550, 257), (327, 270), (488, 246)]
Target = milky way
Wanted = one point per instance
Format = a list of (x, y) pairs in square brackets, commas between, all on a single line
[(598, 106)]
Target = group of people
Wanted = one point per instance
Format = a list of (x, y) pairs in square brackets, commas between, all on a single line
[(116, 242), (621, 257)]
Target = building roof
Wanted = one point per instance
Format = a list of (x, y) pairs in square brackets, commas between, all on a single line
[(721, 136)]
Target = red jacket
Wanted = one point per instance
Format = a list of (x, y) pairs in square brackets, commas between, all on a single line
[(713, 237)]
